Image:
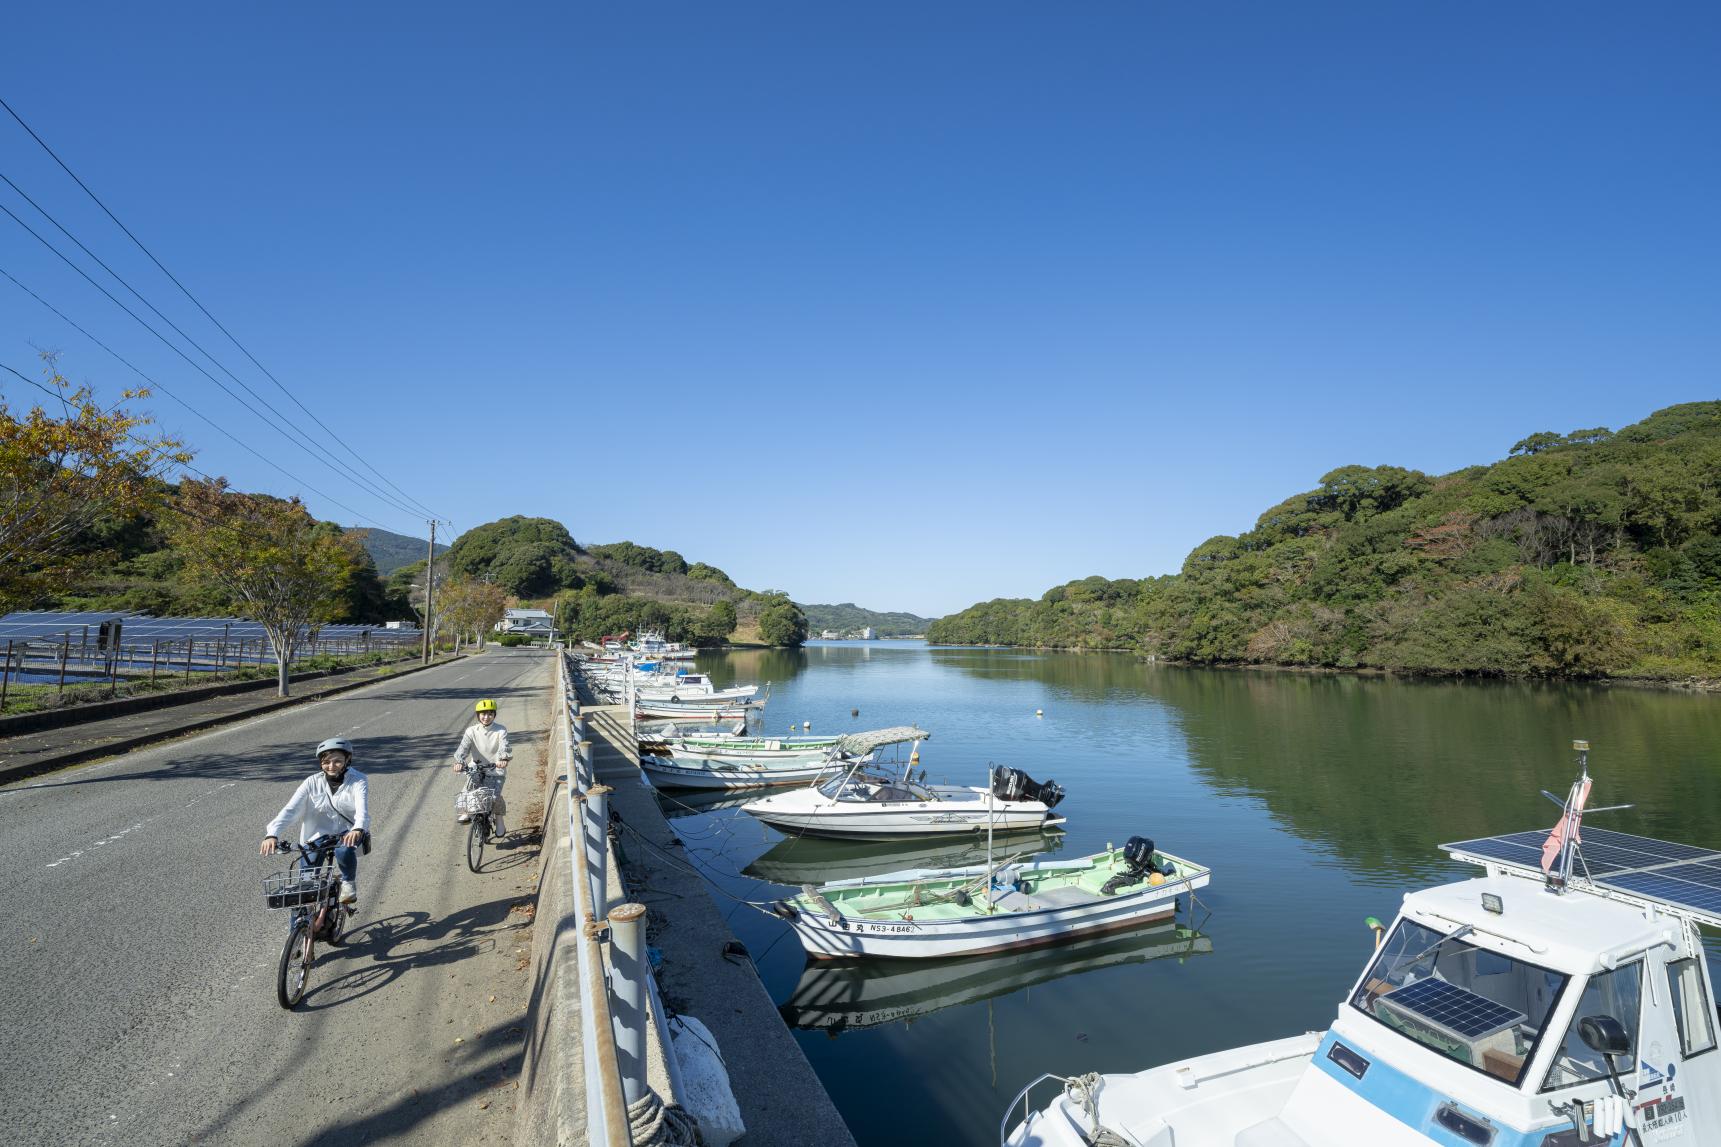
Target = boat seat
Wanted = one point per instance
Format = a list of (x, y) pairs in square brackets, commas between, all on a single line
[(1269, 1133), (1064, 896)]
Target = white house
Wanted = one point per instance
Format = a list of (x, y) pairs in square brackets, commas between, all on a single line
[(531, 622)]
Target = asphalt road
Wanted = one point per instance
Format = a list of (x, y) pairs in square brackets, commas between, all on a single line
[(137, 993)]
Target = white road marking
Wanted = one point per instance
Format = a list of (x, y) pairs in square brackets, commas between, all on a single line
[(130, 758), (75, 853)]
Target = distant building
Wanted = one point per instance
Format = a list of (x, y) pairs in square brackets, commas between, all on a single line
[(868, 634), (828, 635), (530, 622)]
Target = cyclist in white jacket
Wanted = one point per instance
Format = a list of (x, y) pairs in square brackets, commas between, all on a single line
[(486, 741), (334, 801)]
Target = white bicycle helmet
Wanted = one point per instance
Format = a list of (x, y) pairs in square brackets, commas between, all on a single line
[(340, 743)]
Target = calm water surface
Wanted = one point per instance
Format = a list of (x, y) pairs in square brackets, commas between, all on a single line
[(1316, 800)]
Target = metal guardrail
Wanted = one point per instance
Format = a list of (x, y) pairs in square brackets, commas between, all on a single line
[(612, 999)]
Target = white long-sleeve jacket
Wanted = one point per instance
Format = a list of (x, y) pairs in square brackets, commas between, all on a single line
[(319, 812), (487, 745)]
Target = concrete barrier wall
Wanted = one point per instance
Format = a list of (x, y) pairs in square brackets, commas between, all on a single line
[(550, 1108)]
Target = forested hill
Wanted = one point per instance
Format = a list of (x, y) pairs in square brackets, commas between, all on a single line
[(851, 618), (1593, 554), (389, 550)]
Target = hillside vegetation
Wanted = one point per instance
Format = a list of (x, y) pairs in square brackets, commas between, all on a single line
[(616, 587), (389, 551), (1589, 554), (850, 618)]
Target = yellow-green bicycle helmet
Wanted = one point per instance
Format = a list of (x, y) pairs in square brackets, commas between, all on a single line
[(485, 706)]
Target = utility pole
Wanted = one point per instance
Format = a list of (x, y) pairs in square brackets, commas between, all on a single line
[(429, 589)]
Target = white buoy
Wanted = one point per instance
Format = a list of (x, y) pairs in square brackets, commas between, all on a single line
[(1039, 712), (806, 724)]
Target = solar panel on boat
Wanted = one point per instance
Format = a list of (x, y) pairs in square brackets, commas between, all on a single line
[(1694, 886), (1685, 877), (1454, 1008)]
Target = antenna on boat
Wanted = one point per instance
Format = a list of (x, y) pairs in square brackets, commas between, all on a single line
[(991, 809), (1561, 849)]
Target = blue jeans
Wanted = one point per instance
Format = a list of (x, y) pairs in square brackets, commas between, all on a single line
[(346, 860)]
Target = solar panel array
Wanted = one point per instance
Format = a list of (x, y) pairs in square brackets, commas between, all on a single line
[(1456, 1009), (1684, 877), (142, 629)]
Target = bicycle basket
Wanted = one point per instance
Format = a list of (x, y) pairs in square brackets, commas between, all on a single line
[(475, 802), (297, 888)]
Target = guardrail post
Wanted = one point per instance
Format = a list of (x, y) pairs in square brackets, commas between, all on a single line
[(594, 827), (588, 776), (628, 972), (6, 679)]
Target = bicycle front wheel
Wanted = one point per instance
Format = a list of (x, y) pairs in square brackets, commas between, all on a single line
[(295, 964), (475, 837)]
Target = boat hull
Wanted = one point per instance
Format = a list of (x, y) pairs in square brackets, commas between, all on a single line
[(667, 712), (728, 774), (887, 827), (910, 939)]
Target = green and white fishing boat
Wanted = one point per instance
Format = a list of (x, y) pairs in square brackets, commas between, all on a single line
[(929, 913)]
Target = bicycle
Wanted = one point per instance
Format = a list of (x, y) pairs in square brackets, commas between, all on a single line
[(478, 802), (309, 889)]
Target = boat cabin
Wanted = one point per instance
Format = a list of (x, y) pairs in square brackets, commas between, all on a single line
[(1502, 1011)]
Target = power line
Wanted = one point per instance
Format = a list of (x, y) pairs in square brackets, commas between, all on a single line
[(187, 293), (303, 438), (247, 447), (171, 346)]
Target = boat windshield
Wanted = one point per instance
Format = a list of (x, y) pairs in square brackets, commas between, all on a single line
[(1483, 1009)]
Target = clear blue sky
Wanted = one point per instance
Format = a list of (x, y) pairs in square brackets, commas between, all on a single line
[(906, 304)]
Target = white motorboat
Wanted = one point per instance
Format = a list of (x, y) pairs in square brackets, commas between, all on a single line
[(753, 748), (689, 687), (696, 710), (718, 771), (1561, 999), (925, 914), (865, 804)]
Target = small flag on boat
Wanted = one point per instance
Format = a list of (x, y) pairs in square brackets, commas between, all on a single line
[(1567, 824)]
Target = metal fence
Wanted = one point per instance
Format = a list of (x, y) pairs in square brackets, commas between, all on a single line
[(615, 993), (82, 648)]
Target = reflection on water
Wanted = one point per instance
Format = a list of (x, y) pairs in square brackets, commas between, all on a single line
[(1317, 800), (843, 995)]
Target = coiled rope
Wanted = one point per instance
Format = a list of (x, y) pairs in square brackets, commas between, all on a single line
[(656, 1124), (1083, 1091)]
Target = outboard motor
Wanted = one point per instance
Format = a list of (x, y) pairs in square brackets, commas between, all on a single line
[(1016, 785), (1138, 863)]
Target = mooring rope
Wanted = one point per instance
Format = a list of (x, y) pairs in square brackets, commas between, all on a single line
[(1082, 1090), (654, 1123)]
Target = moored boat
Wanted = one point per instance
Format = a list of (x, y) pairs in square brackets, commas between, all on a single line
[(865, 804), (929, 913), (716, 771), (1560, 999)]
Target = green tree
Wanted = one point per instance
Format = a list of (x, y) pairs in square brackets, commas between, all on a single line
[(268, 557), (781, 621), (62, 473)]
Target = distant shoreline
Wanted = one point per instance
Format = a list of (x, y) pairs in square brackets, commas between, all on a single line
[(1686, 685)]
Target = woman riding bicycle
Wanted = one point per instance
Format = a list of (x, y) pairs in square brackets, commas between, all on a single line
[(334, 802), (486, 742)]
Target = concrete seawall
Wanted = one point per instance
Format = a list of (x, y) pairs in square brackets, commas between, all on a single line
[(780, 1097)]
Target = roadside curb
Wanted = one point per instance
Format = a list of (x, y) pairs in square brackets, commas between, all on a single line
[(9, 773)]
